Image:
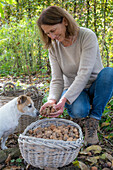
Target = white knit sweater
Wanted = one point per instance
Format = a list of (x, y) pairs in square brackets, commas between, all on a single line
[(74, 67)]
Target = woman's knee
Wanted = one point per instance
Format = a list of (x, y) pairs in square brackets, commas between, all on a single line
[(79, 111), (106, 73), (105, 77)]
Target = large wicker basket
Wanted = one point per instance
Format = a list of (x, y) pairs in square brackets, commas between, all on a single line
[(49, 153)]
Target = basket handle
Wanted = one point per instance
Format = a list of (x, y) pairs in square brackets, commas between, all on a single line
[(12, 85), (31, 91), (41, 143)]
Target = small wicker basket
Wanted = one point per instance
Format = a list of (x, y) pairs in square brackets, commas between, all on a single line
[(49, 153)]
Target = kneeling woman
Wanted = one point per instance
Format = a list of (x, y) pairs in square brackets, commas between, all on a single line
[(78, 77)]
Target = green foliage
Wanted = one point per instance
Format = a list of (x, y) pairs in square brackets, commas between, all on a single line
[(108, 108), (111, 103), (3, 4), (20, 47), (19, 160), (13, 160), (106, 122)]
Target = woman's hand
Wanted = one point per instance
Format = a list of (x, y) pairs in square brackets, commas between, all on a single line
[(59, 106), (49, 103)]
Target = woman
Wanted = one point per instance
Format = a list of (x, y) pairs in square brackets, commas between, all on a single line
[(78, 77)]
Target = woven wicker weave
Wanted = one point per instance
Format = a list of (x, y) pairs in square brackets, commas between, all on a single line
[(49, 153)]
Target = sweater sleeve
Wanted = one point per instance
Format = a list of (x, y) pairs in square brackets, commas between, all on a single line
[(57, 82), (89, 45)]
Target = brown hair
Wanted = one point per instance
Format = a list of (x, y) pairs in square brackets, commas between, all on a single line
[(54, 15)]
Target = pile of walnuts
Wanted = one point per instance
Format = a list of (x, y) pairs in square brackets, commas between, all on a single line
[(46, 112), (63, 132)]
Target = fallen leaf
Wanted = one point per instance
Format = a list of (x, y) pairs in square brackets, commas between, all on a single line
[(105, 124), (27, 167), (103, 156), (76, 163), (106, 136), (83, 153), (12, 167), (94, 148), (109, 157), (106, 156), (83, 166), (8, 159), (96, 157), (80, 165), (93, 160)]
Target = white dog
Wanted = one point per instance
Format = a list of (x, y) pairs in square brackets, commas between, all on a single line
[(10, 114)]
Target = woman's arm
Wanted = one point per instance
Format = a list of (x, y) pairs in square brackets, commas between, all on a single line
[(57, 82), (87, 62)]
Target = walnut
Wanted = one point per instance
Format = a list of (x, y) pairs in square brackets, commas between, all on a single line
[(65, 137), (30, 131), (66, 133), (50, 109), (52, 126), (70, 139)]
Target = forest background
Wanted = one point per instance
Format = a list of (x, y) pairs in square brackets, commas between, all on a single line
[(23, 57), (22, 52)]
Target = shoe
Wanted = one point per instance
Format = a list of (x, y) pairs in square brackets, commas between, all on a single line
[(91, 126)]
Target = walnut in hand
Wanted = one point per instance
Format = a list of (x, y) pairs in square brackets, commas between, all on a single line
[(46, 112)]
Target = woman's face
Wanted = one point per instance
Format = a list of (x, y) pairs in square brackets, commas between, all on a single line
[(55, 32)]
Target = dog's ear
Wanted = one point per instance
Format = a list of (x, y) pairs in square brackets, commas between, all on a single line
[(22, 99)]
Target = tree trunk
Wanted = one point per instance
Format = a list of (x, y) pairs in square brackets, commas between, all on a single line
[(95, 17), (87, 13)]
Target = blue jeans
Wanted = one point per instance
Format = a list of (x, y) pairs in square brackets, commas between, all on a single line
[(97, 95)]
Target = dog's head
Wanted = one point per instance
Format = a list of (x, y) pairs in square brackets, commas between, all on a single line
[(26, 105)]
